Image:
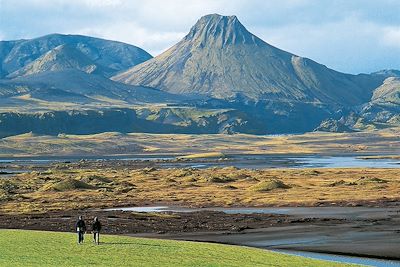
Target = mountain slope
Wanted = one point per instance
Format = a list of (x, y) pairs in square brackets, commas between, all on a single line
[(62, 57), (388, 93), (62, 85), (381, 111), (220, 58), (112, 55)]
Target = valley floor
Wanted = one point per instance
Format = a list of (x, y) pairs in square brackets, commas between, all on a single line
[(50, 196)]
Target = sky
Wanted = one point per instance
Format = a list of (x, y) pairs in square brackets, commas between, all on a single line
[(354, 36)]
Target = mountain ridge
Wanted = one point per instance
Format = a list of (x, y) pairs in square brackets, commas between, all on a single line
[(61, 58)]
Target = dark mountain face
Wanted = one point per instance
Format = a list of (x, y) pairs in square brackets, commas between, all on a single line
[(167, 120), (110, 55), (220, 58)]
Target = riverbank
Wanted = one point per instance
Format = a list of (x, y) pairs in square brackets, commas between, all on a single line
[(357, 231)]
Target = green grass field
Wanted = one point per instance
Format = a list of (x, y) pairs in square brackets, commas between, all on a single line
[(35, 248)]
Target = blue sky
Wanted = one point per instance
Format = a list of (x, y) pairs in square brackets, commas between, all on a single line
[(348, 35)]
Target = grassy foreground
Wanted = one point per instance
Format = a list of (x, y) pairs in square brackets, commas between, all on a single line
[(34, 248)]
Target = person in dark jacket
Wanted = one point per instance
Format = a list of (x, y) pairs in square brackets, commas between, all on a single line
[(96, 227), (80, 228)]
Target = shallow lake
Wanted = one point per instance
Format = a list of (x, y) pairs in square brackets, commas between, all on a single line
[(347, 162), (239, 161), (9, 172)]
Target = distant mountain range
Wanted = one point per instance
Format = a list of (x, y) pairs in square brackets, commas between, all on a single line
[(59, 52), (218, 78)]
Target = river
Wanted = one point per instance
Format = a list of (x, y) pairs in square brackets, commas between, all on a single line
[(240, 161)]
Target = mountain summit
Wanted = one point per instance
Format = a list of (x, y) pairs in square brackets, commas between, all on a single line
[(220, 58), (220, 31)]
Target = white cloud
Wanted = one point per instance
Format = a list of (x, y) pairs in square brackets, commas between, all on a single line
[(130, 32), (102, 3), (348, 45), (391, 36)]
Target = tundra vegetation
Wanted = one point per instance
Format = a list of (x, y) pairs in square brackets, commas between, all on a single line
[(70, 187)]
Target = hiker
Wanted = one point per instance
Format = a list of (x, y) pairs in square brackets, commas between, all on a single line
[(80, 227), (96, 227)]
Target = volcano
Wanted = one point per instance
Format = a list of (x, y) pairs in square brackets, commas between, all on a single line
[(220, 58)]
